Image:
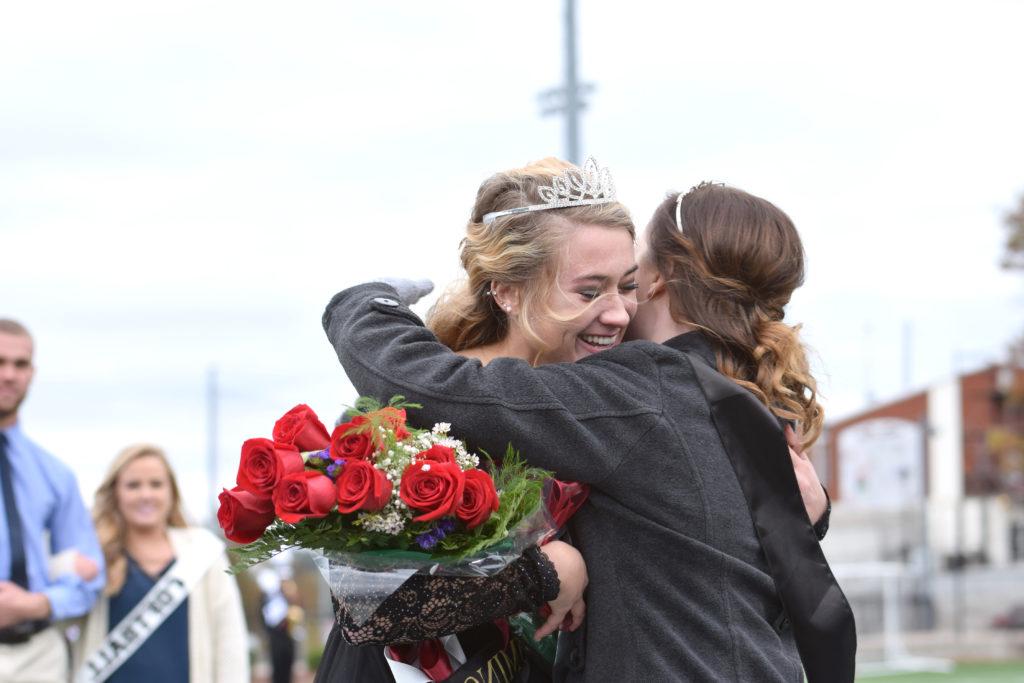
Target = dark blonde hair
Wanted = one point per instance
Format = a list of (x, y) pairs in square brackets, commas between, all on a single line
[(110, 525), (730, 272), (14, 328), (518, 249)]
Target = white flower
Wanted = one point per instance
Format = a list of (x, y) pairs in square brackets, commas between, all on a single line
[(392, 522), (441, 428), (466, 460)]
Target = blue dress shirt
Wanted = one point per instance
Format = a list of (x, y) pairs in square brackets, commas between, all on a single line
[(53, 519)]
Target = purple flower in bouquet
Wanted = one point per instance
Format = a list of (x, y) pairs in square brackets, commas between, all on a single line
[(429, 539), (334, 468)]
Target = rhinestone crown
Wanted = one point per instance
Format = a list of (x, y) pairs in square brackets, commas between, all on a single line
[(575, 187)]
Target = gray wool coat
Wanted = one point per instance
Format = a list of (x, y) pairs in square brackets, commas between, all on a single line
[(680, 589)]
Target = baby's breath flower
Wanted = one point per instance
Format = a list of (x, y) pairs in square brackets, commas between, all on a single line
[(467, 461), (388, 522)]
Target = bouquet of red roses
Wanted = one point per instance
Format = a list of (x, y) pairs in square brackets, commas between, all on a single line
[(380, 500)]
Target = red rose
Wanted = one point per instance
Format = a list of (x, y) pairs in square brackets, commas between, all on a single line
[(303, 494), (361, 486), (301, 428), (432, 487), (352, 440), (437, 453), (244, 516), (479, 499), (264, 463)]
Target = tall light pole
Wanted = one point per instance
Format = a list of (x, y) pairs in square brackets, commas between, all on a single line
[(569, 99)]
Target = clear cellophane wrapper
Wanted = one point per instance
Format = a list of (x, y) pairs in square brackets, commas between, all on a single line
[(361, 581)]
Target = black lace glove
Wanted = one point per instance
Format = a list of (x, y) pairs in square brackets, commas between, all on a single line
[(431, 606)]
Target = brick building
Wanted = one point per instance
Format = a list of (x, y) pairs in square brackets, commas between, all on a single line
[(937, 474)]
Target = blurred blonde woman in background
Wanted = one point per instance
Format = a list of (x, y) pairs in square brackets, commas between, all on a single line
[(169, 612)]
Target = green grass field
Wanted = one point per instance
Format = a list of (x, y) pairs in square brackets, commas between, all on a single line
[(1000, 672)]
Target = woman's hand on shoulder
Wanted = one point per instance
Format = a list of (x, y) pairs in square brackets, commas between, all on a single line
[(811, 490), (569, 606)]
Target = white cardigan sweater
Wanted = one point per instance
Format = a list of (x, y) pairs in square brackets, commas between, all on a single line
[(217, 636)]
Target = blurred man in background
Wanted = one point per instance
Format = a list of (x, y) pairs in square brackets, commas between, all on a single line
[(41, 516)]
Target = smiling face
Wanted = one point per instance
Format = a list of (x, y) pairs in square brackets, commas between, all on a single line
[(143, 493), (591, 301), (15, 374)]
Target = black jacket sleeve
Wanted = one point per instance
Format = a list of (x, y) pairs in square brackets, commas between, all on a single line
[(577, 419)]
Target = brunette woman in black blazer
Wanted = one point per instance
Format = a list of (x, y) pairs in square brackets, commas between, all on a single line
[(703, 563)]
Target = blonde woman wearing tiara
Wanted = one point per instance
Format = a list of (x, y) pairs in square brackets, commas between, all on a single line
[(478, 328), (703, 561)]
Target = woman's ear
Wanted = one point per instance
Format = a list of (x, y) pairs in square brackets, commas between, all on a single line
[(506, 296), (657, 287)]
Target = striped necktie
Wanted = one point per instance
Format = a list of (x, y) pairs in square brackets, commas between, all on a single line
[(18, 572)]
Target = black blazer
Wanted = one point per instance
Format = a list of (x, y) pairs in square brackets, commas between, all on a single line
[(703, 565)]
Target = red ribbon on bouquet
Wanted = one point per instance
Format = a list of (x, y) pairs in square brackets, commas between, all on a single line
[(433, 658), (564, 498)]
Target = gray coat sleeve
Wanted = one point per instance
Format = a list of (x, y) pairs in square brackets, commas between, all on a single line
[(578, 419)]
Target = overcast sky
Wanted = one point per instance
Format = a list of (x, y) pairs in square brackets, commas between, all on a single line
[(185, 187)]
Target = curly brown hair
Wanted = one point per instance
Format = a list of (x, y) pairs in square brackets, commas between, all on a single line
[(730, 271)]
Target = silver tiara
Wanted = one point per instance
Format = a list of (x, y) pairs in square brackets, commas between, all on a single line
[(575, 187)]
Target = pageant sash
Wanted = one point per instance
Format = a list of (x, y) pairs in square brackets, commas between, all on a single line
[(145, 618), (819, 614), (494, 657), (498, 660)]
